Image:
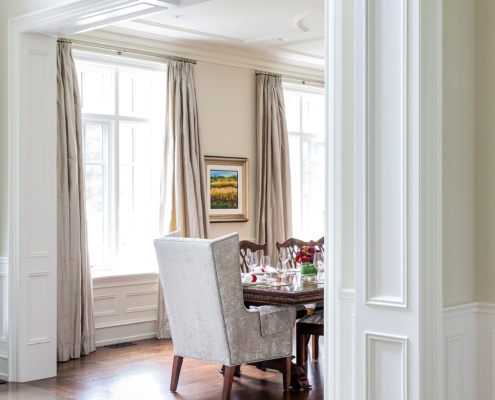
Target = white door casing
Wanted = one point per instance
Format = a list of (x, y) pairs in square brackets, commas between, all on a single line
[(32, 134), (397, 191)]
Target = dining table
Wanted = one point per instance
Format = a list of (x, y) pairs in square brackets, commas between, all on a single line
[(290, 290)]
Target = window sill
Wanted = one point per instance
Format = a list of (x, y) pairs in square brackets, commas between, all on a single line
[(122, 278)]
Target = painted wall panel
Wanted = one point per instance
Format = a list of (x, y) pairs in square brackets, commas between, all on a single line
[(386, 151), (386, 367)]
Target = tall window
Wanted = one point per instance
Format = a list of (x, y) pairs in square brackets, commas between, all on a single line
[(123, 116), (305, 114)]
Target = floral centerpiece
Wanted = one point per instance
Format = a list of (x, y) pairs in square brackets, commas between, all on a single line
[(305, 257)]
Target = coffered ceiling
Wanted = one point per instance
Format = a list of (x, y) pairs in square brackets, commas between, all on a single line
[(292, 30)]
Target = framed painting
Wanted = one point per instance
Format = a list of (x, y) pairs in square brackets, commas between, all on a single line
[(227, 188)]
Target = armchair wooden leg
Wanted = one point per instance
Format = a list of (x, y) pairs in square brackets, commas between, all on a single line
[(287, 369), (174, 381), (236, 373), (228, 377), (315, 346)]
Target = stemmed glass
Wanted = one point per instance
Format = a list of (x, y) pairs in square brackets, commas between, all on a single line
[(319, 264), (284, 255), (252, 261), (265, 263), (281, 270)]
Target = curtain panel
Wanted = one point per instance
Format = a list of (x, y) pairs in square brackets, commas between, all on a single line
[(183, 203), (75, 318), (274, 205)]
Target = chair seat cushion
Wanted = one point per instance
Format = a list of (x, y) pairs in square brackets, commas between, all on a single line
[(316, 317), (276, 319)]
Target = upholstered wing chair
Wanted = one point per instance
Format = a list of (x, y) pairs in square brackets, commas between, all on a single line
[(208, 320)]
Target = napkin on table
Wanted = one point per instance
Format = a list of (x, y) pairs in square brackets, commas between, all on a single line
[(247, 278)]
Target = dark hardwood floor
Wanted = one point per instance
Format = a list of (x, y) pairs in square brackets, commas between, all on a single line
[(142, 372)]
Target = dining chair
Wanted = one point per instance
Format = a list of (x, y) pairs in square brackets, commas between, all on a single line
[(311, 324), (293, 245), (244, 246), (208, 320)]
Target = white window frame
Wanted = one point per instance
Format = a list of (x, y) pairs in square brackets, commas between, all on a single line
[(312, 137), (111, 144)]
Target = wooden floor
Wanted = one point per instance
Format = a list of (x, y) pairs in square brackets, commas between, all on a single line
[(142, 372)]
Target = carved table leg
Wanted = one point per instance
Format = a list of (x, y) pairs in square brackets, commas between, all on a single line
[(298, 378)]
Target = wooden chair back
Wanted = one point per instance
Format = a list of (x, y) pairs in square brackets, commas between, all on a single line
[(294, 245), (244, 246)]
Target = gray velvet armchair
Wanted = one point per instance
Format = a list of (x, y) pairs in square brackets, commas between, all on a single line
[(208, 319)]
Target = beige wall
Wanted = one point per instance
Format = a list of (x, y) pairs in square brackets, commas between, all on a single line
[(227, 118), (485, 149), (458, 151)]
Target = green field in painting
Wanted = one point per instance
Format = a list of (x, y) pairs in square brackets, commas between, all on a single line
[(223, 192)]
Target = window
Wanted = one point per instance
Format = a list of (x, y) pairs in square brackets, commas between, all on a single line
[(123, 122), (305, 114)]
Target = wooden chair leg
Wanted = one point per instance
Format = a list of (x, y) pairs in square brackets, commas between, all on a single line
[(236, 373), (174, 381), (315, 346), (228, 377), (287, 369), (301, 347)]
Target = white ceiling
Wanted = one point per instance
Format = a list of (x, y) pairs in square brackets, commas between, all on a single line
[(292, 30)]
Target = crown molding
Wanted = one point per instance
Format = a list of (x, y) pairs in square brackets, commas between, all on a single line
[(115, 36)]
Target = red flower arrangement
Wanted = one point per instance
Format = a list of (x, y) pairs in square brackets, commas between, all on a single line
[(306, 254)]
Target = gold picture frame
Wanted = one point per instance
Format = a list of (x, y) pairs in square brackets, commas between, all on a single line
[(227, 185)]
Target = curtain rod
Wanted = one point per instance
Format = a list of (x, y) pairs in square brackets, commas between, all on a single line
[(294, 78), (121, 50)]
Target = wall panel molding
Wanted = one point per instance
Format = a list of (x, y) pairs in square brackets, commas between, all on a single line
[(125, 307), (387, 153), (456, 349), (387, 367), (3, 301)]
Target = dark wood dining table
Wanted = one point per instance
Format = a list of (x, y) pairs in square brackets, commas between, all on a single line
[(298, 292)]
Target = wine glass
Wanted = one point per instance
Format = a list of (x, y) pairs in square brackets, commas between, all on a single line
[(252, 261), (265, 264), (284, 255), (319, 264), (281, 270)]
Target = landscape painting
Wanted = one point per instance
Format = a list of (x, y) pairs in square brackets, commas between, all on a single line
[(227, 188), (223, 189)]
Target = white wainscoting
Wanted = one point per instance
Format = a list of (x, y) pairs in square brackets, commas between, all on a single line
[(125, 307), (4, 349), (469, 344)]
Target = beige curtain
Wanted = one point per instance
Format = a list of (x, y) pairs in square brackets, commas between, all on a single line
[(75, 320), (184, 184), (274, 206)]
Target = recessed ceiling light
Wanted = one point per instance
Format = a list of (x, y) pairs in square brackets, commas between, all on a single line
[(284, 39), (178, 16)]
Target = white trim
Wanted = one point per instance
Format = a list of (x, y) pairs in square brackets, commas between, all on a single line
[(115, 36), (334, 170), (75, 16), (460, 340), (371, 340), (124, 323), (92, 14), (431, 178), (107, 281), (3, 355), (347, 294), (372, 298), (100, 343)]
